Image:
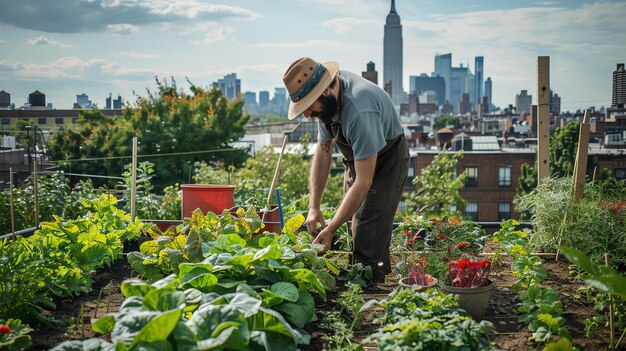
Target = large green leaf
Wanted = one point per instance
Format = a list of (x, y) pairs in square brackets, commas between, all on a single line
[(579, 258), (158, 329), (198, 278), (605, 279), (283, 291), (85, 345), (103, 325), (299, 313), (267, 253), (136, 287)]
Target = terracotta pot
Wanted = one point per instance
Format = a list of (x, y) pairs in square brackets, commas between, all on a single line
[(472, 300), (408, 282)]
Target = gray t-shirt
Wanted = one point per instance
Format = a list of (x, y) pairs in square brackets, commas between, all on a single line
[(368, 118)]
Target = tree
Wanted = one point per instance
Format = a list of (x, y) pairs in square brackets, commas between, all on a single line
[(437, 189), (193, 127), (447, 120)]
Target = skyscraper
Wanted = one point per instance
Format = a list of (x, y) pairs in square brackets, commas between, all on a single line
[(82, 101), (555, 103), (460, 78), (619, 86), (392, 55), (264, 98), (5, 99), (443, 69), (523, 101), (488, 90), (478, 79), (230, 86)]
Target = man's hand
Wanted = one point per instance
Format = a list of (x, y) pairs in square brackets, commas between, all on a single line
[(325, 237), (313, 218)]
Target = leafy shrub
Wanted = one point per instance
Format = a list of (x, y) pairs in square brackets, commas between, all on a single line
[(588, 224)]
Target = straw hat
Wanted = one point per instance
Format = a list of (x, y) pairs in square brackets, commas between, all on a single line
[(306, 80)]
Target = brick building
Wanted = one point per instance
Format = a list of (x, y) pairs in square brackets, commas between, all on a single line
[(492, 175)]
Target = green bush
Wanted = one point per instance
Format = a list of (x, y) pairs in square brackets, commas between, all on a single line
[(594, 224)]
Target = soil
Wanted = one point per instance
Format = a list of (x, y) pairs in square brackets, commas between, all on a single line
[(509, 335)]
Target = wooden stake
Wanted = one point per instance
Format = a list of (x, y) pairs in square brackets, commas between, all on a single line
[(543, 118), (611, 309), (133, 182), (36, 195), (276, 172), (580, 167), (11, 203)]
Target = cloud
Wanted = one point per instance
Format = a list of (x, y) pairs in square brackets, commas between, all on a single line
[(71, 16), (2, 41), (75, 68), (6, 66), (121, 29), (215, 35), (137, 55), (43, 40), (546, 3), (317, 44)]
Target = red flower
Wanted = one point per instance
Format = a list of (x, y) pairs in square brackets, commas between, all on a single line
[(408, 243), (462, 244), (4, 329), (442, 236), (406, 232), (434, 220), (484, 263)]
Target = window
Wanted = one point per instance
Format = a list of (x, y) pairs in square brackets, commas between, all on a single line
[(471, 210), (471, 177), (41, 121), (504, 177), (58, 120), (504, 211), (6, 121)]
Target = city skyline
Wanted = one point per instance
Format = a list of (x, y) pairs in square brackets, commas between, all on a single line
[(97, 47)]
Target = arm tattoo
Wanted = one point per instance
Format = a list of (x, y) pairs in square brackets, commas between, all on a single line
[(325, 146)]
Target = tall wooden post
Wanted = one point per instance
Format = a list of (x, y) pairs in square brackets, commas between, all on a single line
[(36, 194), (543, 118), (580, 166), (11, 203), (133, 182)]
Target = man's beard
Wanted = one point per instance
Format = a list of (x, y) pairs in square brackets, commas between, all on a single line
[(329, 108)]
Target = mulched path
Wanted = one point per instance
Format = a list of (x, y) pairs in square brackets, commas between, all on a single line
[(106, 297)]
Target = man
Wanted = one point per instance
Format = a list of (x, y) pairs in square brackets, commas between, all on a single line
[(360, 117)]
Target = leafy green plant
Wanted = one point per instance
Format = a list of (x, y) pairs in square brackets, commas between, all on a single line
[(437, 188), (54, 261), (166, 316), (429, 320), (14, 335), (52, 193), (588, 224), (603, 278)]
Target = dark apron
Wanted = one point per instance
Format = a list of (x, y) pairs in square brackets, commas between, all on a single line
[(372, 224)]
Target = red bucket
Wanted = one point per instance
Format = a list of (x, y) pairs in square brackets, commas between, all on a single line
[(206, 197)]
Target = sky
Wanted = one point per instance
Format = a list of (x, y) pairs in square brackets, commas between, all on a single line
[(68, 47)]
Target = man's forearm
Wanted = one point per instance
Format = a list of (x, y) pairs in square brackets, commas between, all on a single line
[(320, 168)]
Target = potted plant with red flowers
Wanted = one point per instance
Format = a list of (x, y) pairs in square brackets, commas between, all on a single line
[(469, 278), (413, 268)]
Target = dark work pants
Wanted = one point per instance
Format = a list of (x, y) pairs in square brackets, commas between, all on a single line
[(372, 224)]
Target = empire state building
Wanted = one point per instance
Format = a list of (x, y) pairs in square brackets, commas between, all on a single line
[(392, 55)]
